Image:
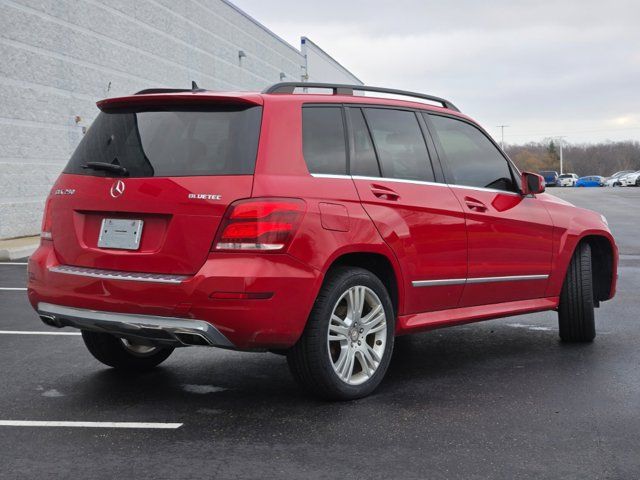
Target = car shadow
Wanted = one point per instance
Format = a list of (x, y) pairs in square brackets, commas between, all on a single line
[(205, 387)]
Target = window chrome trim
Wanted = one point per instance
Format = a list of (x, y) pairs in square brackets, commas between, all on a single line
[(483, 189), (472, 280), (414, 182), (330, 175), (118, 275), (397, 180), (376, 179)]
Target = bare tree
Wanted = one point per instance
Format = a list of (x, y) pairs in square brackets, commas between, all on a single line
[(584, 159)]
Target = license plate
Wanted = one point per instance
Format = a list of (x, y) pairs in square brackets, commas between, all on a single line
[(120, 233)]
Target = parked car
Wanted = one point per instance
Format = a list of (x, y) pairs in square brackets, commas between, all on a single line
[(614, 180), (318, 226), (590, 181), (550, 177), (630, 180), (567, 180)]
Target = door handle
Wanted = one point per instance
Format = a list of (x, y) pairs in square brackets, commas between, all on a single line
[(475, 205), (384, 192)]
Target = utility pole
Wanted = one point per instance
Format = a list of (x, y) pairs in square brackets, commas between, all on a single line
[(502, 127)]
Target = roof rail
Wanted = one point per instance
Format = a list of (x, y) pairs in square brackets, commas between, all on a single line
[(340, 89)]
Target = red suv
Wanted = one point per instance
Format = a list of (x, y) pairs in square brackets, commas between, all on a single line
[(316, 225)]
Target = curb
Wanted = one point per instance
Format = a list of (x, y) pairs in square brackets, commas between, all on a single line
[(17, 252)]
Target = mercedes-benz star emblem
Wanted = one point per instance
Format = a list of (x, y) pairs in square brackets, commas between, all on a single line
[(117, 189)]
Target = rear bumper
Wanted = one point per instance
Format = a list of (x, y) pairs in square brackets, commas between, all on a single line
[(176, 332), (274, 318)]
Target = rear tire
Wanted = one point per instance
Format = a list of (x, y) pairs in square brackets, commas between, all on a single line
[(122, 354), (576, 317), (344, 353)]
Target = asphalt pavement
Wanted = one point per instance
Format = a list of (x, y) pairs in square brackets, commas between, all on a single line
[(499, 399)]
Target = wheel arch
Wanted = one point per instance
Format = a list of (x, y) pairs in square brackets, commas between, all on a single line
[(380, 265), (602, 265)]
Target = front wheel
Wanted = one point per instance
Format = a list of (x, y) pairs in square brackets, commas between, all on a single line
[(346, 347), (576, 317), (123, 354)]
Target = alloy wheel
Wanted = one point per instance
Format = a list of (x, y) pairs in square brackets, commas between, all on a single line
[(357, 335)]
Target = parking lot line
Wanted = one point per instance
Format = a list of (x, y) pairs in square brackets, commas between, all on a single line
[(13, 263), (25, 332), (144, 425), (14, 289)]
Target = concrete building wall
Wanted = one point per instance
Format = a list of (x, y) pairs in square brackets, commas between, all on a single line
[(58, 57)]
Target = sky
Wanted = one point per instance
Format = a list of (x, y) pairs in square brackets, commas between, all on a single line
[(563, 68)]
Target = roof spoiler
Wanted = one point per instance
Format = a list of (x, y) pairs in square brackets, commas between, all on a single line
[(171, 97)]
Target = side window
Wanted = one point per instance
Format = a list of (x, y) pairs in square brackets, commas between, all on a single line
[(472, 159), (363, 159), (323, 140), (400, 144)]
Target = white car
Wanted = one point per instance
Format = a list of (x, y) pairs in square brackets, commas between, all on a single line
[(614, 180), (567, 180), (630, 180)]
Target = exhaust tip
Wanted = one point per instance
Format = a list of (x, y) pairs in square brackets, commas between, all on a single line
[(50, 320), (192, 339)]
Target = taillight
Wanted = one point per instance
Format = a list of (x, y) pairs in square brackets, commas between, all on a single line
[(266, 224), (45, 231)]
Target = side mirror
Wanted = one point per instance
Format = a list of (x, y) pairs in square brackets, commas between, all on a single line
[(532, 183)]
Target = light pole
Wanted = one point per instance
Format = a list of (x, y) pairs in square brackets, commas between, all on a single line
[(502, 127), (561, 159)]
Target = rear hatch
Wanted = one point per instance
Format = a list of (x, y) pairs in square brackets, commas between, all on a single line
[(148, 185)]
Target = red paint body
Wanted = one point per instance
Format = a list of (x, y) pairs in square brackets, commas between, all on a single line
[(426, 231)]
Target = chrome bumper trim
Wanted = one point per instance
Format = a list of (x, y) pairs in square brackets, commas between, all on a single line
[(118, 275), (172, 331)]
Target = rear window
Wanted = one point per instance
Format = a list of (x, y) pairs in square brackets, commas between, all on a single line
[(323, 140), (163, 143)]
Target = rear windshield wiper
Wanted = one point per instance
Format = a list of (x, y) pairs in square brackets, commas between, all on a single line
[(109, 167)]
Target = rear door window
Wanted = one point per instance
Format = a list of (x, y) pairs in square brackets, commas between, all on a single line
[(323, 140), (168, 143), (363, 159), (472, 158), (398, 140)]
